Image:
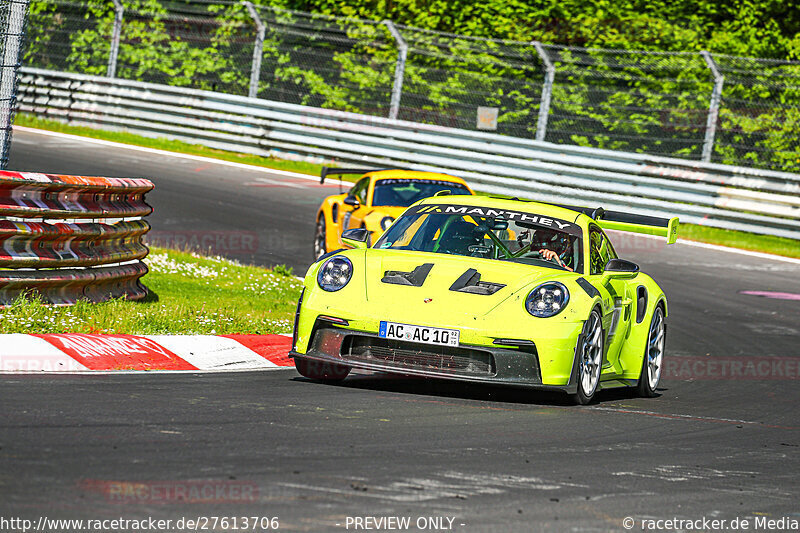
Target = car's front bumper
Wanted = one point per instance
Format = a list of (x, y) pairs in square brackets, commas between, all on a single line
[(479, 364)]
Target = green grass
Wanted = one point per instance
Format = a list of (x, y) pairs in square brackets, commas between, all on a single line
[(736, 239), (739, 239), (189, 294)]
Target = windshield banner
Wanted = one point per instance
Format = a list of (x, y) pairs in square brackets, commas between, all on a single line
[(519, 217), (404, 181)]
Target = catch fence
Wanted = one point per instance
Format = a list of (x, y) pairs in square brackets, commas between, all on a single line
[(13, 18), (693, 105)]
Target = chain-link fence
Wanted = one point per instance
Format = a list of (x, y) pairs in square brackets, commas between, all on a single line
[(13, 15), (692, 105)]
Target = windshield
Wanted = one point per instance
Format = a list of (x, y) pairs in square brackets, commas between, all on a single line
[(404, 192), (487, 233)]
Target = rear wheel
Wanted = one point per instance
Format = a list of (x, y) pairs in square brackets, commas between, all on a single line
[(321, 371), (320, 237), (653, 355), (590, 359)]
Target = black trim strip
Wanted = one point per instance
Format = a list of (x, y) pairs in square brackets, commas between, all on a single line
[(329, 254), (590, 289), (513, 342), (592, 212), (598, 213), (631, 218), (641, 303), (297, 319), (333, 320)]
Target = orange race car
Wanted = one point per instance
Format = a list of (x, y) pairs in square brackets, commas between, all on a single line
[(375, 201)]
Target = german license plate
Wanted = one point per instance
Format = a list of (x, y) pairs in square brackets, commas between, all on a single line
[(424, 334)]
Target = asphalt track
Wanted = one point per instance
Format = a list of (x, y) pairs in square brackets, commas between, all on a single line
[(712, 445)]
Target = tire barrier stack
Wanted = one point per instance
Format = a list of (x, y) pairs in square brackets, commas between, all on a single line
[(67, 238)]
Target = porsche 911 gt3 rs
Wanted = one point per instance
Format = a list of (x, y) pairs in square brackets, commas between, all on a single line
[(375, 201), (488, 290)]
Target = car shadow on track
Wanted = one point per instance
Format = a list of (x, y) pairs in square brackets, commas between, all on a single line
[(468, 391)]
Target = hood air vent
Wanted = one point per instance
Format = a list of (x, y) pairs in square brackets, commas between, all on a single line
[(415, 278), (470, 281)]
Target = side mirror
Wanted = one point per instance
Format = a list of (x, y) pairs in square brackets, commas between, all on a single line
[(621, 269), (351, 200), (356, 238)]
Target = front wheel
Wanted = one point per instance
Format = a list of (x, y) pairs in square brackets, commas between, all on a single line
[(653, 355), (321, 371), (320, 238), (590, 359)]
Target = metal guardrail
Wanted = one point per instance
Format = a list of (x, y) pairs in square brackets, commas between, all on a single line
[(738, 198), (67, 238), (690, 104)]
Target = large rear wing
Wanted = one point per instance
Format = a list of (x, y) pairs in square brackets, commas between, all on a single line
[(617, 220), (342, 171)]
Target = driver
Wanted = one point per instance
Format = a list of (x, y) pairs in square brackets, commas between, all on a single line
[(553, 246)]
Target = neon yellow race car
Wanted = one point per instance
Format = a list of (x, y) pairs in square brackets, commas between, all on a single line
[(373, 203), (488, 290)]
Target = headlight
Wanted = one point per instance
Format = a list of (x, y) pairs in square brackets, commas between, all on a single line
[(546, 300), (335, 273), (386, 222)]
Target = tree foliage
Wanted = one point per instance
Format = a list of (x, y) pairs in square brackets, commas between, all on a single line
[(465, 54)]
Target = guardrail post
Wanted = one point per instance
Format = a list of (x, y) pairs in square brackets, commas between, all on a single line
[(258, 49), (713, 107), (12, 41), (119, 12), (547, 91), (399, 69)]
